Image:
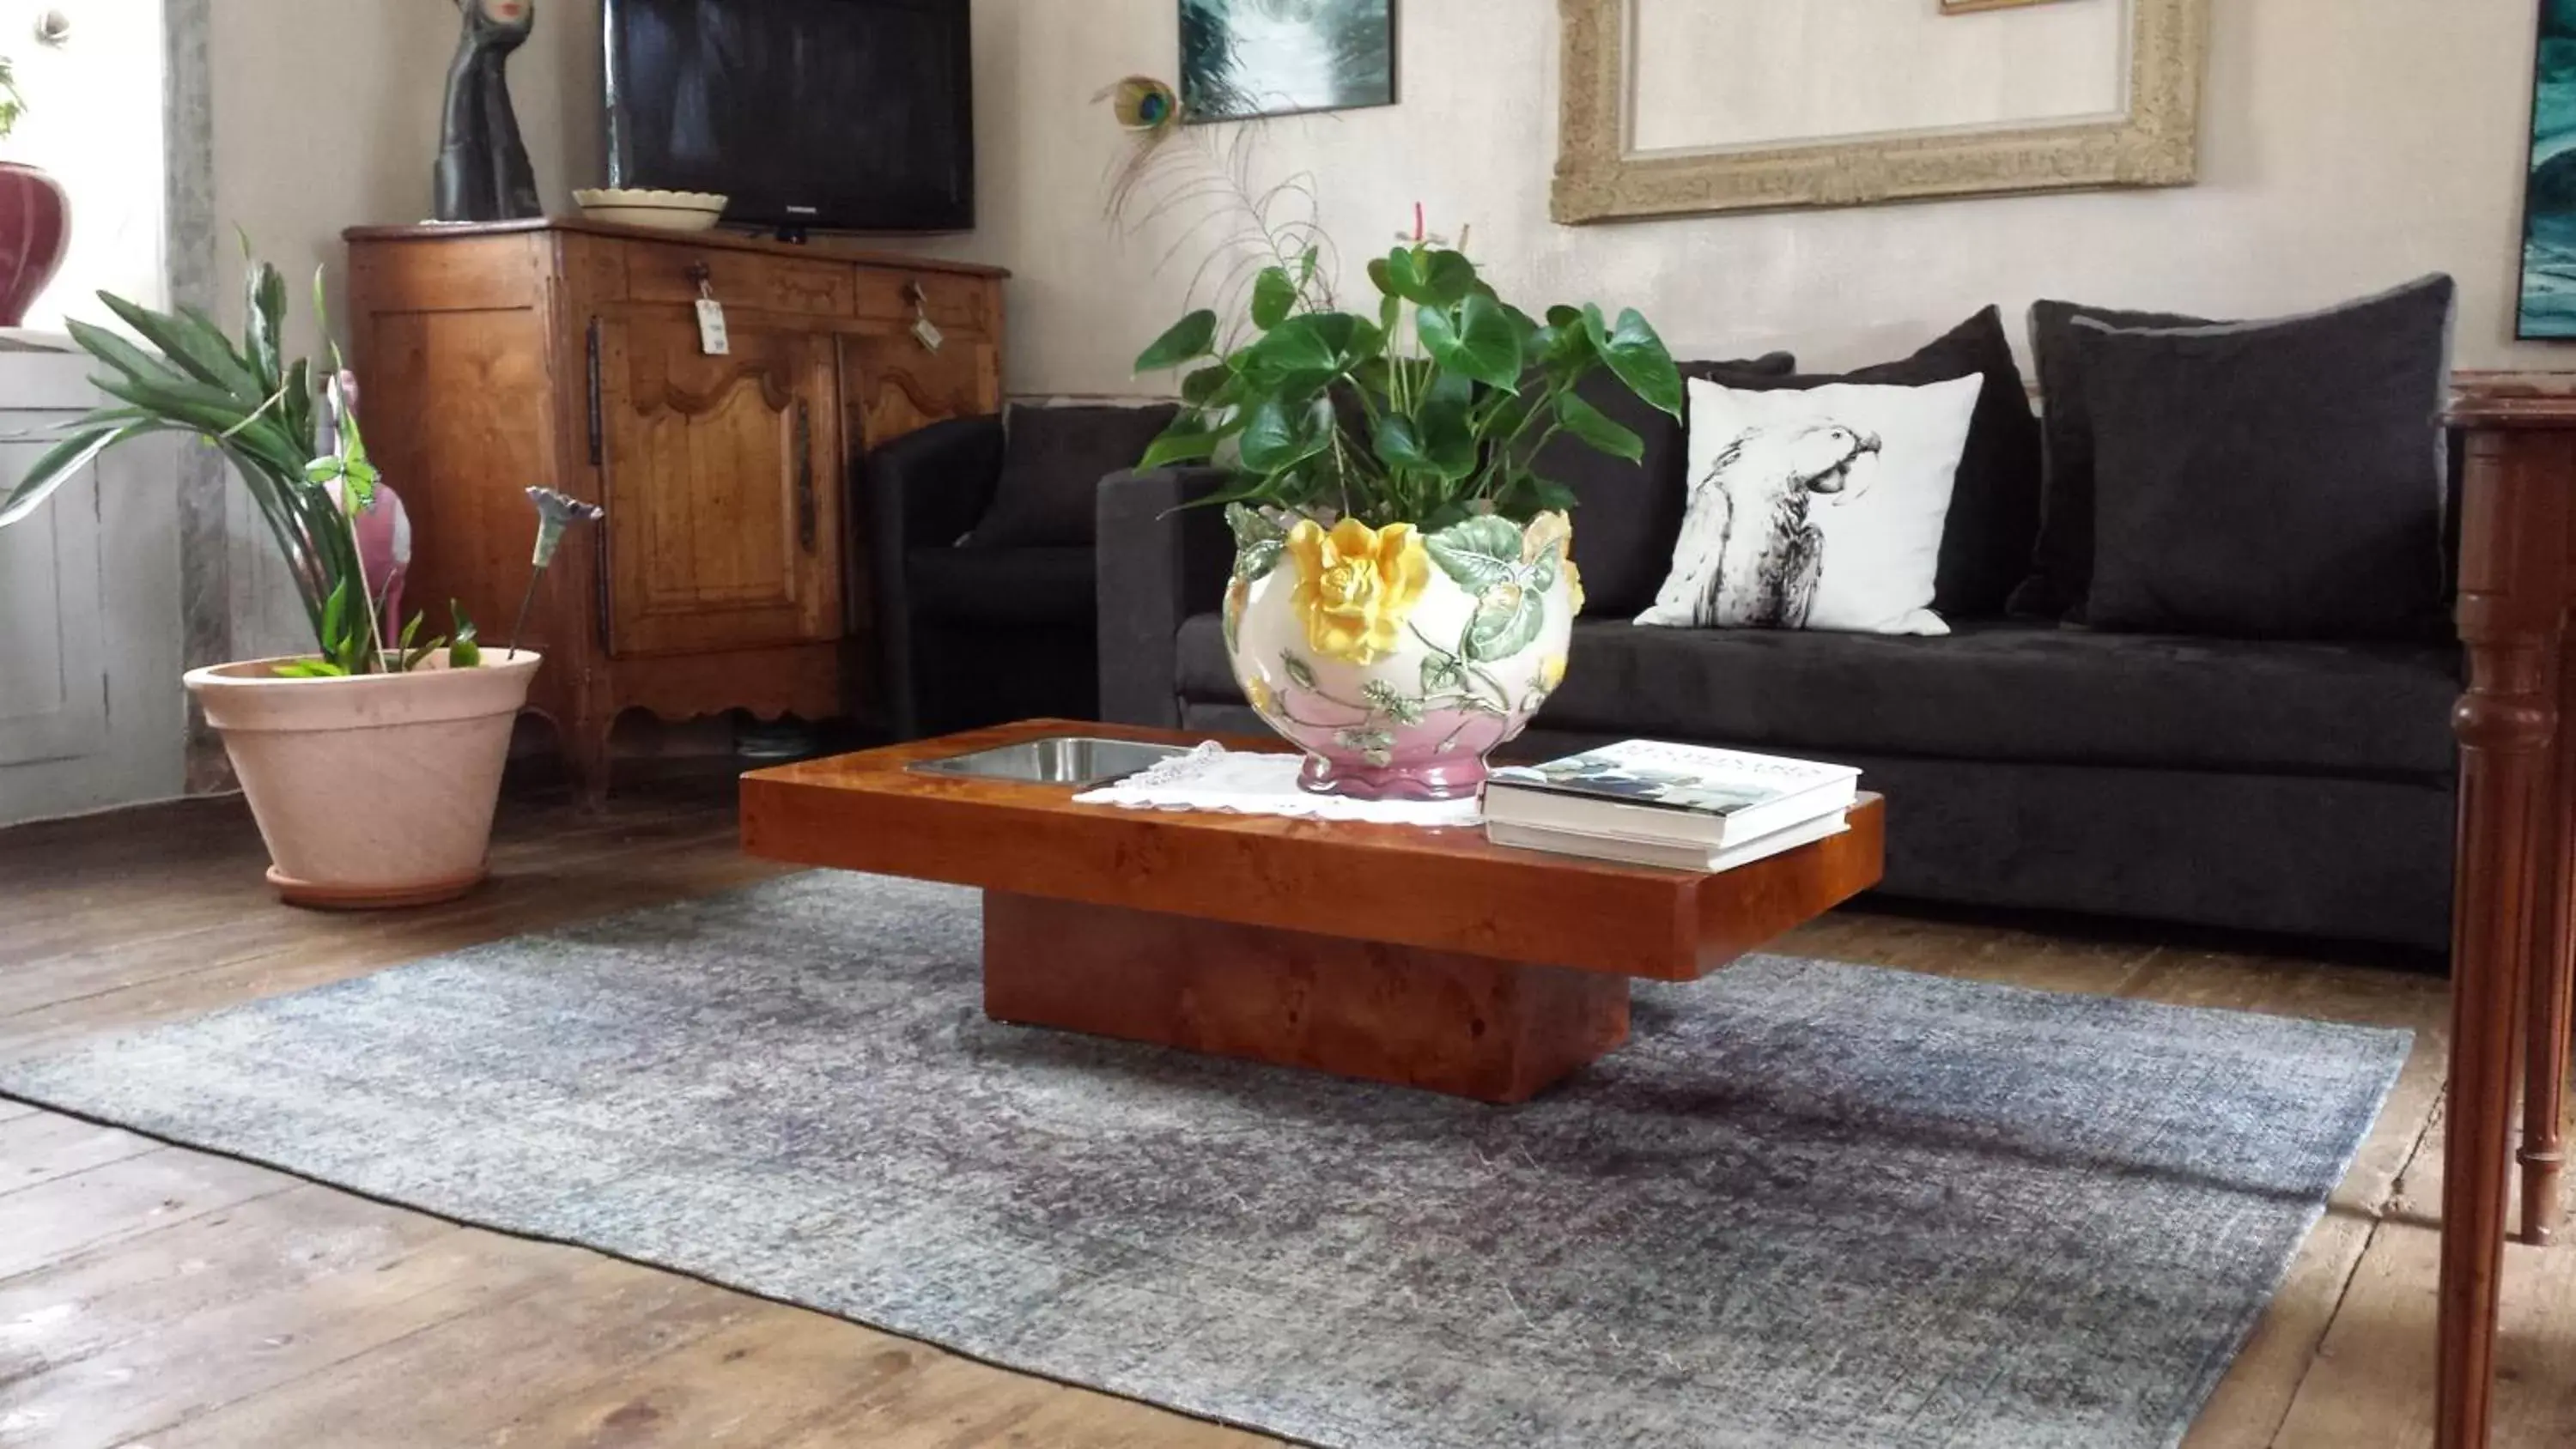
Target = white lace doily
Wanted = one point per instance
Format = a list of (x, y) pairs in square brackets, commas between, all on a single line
[(1212, 777)]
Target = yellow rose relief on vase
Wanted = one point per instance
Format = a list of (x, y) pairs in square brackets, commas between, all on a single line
[(1356, 586)]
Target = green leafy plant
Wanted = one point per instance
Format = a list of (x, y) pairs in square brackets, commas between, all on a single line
[(265, 414), (1430, 412)]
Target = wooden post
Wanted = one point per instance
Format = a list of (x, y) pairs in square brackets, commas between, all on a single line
[(2513, 579)]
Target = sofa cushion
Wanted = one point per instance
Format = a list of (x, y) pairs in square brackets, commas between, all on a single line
[(1816, 508), (1994, 505), (2061, 563), (1052, 462), (1001, 585), (2272, 480), (1998, 690), (1628, 514)]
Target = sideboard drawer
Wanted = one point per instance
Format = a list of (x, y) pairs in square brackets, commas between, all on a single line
[(953, 301), (739, 279)]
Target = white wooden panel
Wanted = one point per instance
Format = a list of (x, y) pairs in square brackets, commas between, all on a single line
[(53, 674), (91, 709)]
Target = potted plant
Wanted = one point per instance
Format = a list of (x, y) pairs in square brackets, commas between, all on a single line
[(372, 765), (1404, 589), (35, 216)]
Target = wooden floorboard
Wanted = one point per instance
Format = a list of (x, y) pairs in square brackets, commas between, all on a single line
[(154, 1296)]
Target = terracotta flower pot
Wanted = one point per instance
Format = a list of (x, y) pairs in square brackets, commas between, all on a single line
[(1394, 659), (370, 791), (35, 233)]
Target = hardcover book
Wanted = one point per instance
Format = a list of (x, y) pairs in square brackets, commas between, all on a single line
[(1627, 850), (1694, 794)]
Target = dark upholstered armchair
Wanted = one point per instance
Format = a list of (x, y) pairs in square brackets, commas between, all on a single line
[(982, 563)]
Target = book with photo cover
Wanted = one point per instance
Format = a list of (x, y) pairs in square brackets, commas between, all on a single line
[(1679, 794), (1628, 851)]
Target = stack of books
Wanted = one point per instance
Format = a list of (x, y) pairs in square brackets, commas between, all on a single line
[(1686, 807)]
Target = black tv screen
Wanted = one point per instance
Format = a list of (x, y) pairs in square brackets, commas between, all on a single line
[(853, 115)]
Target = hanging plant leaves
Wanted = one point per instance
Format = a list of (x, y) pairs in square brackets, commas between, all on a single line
[(1447, 278), (1207, 386), (1597, 428), (1638, 357), (1397, 446), (1180, 447), (1189, 339), (1274, 295), (1442, 673), (1480, 342), (1278, 436), (1299, 671)]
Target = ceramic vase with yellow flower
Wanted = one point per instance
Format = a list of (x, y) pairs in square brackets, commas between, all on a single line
[(1398, 659)]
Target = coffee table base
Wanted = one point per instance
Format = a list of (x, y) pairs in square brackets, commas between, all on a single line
[(1468, 1026)]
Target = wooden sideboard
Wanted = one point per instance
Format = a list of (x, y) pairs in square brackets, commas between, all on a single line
[(730, 571)]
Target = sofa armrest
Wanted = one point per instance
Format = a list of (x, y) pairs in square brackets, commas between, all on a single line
[(923, 490), (1160, 563), (928, 488)]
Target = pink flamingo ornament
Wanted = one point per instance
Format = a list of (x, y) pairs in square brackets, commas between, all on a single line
[(381, 525)]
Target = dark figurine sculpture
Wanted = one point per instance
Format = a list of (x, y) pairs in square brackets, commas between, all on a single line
[(483, 170)]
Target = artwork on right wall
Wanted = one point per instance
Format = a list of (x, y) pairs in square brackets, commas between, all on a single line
[(2549, 199)]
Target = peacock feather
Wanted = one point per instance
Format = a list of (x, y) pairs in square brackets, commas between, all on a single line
[(1195, 184)]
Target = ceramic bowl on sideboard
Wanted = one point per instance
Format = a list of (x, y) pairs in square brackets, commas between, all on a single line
[(660, 210)]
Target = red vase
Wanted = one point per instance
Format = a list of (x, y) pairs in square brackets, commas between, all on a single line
[(35, 232)]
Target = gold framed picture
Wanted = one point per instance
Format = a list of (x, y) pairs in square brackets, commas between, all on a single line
[(1676, 107), (1970, 7)]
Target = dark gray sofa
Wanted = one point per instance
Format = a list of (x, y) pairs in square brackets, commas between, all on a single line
[(2303, 788)]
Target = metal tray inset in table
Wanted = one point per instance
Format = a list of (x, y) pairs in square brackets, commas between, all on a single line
[(1080, 761)]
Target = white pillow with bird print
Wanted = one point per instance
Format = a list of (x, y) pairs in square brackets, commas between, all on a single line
[(1816, 509)]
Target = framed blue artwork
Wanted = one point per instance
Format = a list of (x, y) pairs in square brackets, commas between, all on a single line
[(1246, 58), (2549, 197)]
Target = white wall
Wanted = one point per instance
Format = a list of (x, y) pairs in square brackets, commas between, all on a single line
[(2347, 145), (326, 116)]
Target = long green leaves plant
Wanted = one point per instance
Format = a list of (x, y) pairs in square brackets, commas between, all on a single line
[(296, 445)]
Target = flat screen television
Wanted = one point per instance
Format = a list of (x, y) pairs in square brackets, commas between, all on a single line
[(848, 115)]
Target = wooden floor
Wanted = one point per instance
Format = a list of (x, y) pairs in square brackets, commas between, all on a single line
[(150, 1295)]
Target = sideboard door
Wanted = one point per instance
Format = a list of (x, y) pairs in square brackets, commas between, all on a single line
[(899, 386), (721, 480)]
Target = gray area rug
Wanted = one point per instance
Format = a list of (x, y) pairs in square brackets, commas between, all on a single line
[(1809, 1204)]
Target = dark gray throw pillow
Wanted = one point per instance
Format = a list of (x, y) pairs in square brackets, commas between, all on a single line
[(1628, 515), (2061, 563), (1053, 459), (2271, 480), (1987, 536)]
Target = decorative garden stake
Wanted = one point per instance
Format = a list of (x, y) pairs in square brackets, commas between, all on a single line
[(556, 513)]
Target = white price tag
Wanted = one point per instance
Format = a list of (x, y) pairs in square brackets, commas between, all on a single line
[(712, 338), (929, 334)]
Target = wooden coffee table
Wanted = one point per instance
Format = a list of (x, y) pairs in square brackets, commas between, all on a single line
[(1426, 958)]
